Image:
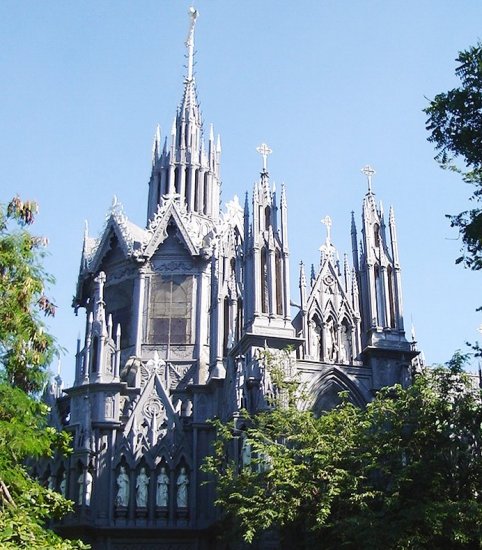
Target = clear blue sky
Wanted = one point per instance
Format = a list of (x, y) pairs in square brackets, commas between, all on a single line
[(329, 85)]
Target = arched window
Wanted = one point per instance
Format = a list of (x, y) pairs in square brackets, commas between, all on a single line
[(376, 234), (279, 284), (205, 194), (264, 282), (177, 179), (95, 354), (391, 298), (239, 319), (379, 295), (226, 325), (196, 191), (267, 217)]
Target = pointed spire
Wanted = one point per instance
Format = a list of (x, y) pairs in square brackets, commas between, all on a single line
[(156, 146), (218, 144), (193, 14), (393, 237), (302, 276), (283, 201), (354, 245)]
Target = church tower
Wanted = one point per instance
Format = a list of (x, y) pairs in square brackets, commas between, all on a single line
[(182, 165), (378, 272)]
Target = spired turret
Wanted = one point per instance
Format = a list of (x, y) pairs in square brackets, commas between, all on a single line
[(187, 169), (384, 344)]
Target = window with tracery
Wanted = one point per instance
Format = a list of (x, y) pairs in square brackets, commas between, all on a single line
[(170, 309)]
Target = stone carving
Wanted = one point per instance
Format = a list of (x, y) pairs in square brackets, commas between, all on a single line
[(85, 488), (346, 349), (63, 485), (123, 488), (162, 491), (109, 406), (182, 486), (142, 485), (51, 482)]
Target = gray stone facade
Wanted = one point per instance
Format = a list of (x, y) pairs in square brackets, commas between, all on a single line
[(179, 315)]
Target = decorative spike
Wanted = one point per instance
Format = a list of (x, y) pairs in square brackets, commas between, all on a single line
[(193, 14), (283, 201), (313, 275), (218, 144), (109, 325), (302, 275)]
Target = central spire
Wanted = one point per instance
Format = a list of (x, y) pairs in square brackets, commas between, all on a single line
[(187, 169), (194, 14)]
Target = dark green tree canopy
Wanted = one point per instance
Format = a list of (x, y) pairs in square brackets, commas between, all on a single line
[(26, 349), (404, 473), (455, 126)]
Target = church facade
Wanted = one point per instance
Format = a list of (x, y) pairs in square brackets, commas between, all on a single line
[(180, 315)]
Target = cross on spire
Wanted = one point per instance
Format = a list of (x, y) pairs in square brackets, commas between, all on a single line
[(326, 221), (264, 151), (369, 172)]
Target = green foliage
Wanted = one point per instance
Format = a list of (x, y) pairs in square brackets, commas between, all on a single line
[(455, 126), (406, 472), (26, 349)]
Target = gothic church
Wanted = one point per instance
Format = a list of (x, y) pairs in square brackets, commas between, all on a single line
[(179, 315)]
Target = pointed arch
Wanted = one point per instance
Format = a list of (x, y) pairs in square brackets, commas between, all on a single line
[(326, 387)]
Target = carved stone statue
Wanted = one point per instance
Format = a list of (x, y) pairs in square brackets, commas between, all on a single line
[(85, 488), (182, 483), (51, 482), (123, 488), (162, 492), (63, 485), (346, 351), (142, 485)]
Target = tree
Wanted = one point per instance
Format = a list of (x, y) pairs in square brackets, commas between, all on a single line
[(455, 126), (26, 349), (405, 472)]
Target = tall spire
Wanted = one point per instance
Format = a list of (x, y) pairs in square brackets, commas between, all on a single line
[(194, 14), (184, 169)]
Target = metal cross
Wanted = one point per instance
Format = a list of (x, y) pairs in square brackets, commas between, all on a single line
[(327, 222), (264, 151), (369, 172)]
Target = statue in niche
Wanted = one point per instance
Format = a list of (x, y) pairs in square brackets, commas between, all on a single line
[(162, 492), (331, 342), (316, 342), (109, 407), (85, 488), (245, 452), (51, 482), (346, 351), (123, 487), (142, 485), (182, 484), (63, 485), (240, 397)]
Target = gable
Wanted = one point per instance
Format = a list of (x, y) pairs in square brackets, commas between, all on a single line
[(173, 246)]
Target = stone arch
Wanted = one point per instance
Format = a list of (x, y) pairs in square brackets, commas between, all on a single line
[(326, 387)]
